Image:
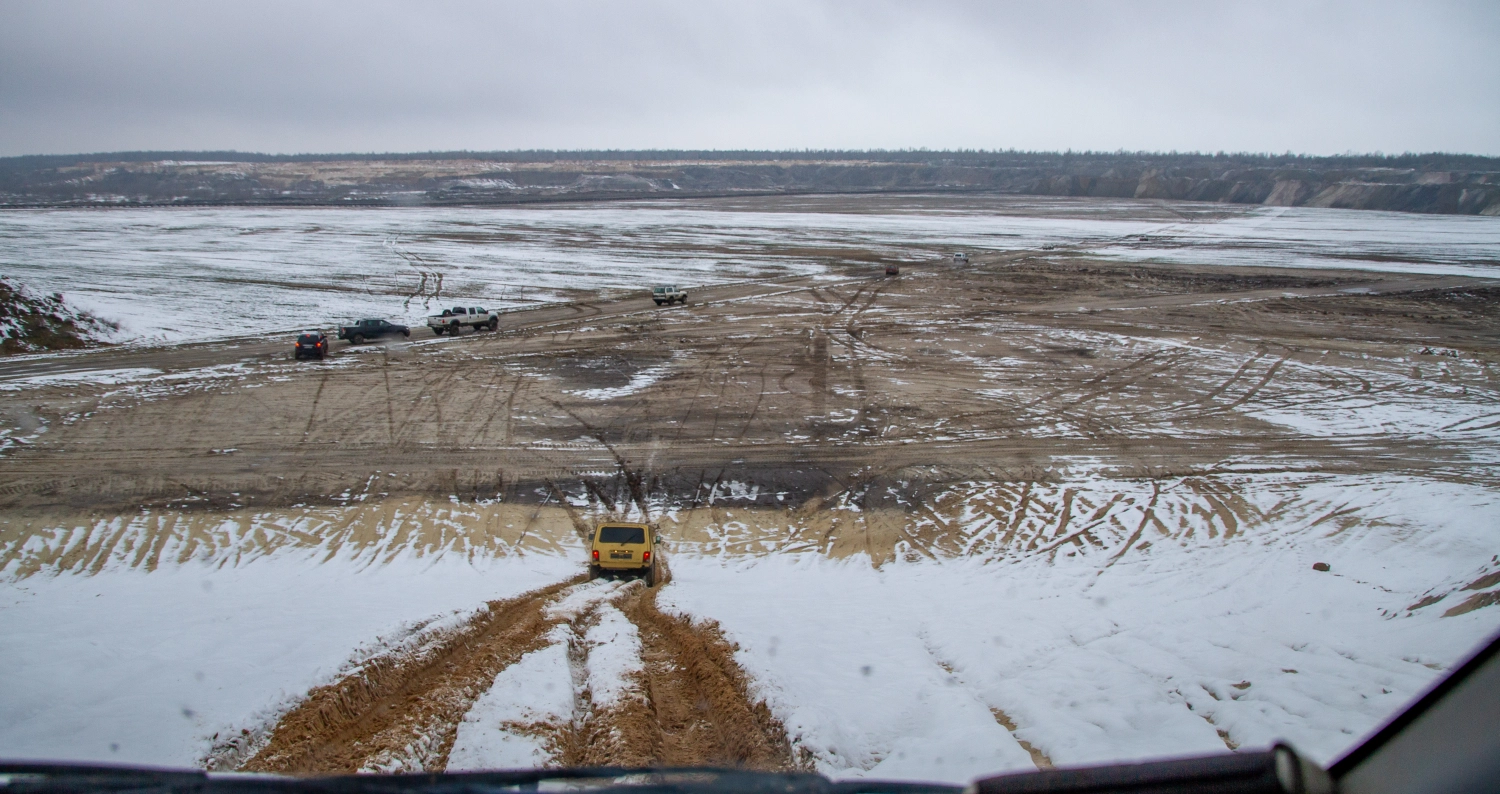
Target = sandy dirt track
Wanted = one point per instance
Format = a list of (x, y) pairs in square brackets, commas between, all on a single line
[(690, 703), (396, 703)]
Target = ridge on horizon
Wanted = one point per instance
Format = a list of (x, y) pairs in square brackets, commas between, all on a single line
[(1426, 183), (1420, 160)]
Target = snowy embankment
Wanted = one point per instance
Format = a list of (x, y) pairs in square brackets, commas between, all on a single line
[(153, 667), (31, 323), (1072, 623), (916, 669)]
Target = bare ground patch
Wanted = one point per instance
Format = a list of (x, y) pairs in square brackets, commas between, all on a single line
[(941, 375)]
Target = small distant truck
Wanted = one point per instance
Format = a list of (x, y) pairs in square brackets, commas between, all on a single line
[(371, 329), (457, 317), (960, 259), (668, 293)]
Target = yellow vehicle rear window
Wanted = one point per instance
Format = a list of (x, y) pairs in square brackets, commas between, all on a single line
[(622, 535)]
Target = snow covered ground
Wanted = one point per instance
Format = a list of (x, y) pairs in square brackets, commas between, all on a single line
[(1211, 632), (911, 670), (177, 274), (1076, 621), (1307, 237), (131, 666)]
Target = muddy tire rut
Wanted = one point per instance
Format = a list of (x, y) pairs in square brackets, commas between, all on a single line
[(689, 703), (696, 707), (402, 704)]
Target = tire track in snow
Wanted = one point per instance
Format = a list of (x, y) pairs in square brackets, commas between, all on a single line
[(405, 706), (647, 689), (644, 688), (1038, 758), (701, 708)]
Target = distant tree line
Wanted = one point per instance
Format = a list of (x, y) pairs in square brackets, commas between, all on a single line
[(1431, 183)]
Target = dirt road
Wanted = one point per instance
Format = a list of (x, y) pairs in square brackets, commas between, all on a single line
[(688, 703)]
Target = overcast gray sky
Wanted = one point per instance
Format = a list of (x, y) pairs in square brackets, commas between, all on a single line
[(308, 76)]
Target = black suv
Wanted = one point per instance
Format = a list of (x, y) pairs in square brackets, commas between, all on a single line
[(312, 344), (371, 329)]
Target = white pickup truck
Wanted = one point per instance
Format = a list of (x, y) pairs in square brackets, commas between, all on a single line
[(459, 316), (668, 293)]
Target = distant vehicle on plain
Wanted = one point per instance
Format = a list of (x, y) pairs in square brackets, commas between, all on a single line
[(371, 329), (668, 294), (311, 344), (893, 270), (960, 259), (451, 320)]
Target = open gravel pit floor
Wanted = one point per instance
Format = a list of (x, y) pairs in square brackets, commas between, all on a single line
[(1001, 371), (1059, 505)]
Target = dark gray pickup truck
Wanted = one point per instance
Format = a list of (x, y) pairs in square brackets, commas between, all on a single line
[(371, 329)]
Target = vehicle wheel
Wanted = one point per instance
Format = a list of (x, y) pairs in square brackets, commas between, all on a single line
[(437, 331), (453, 328), (320, 356), (494, 323), (651, 576), (356, 339), (406, 333), (593, 572)]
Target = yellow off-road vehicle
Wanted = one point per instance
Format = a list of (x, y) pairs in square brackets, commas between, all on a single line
[(617, 547)]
